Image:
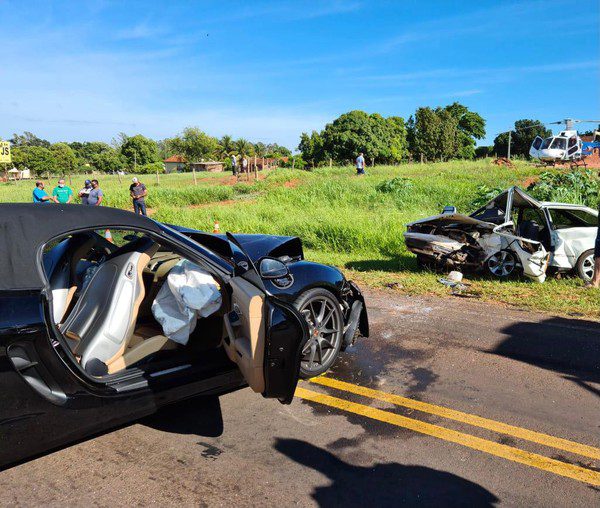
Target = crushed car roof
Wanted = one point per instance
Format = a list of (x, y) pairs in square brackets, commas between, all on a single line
[(26, 227)]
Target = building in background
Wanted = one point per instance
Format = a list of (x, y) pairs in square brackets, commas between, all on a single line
[(174, 164)]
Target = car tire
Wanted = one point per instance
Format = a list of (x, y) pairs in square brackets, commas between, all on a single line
[(502, 264), (585, 265), (326, 337)]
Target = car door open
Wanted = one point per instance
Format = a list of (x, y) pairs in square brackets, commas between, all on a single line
[(264, 336)]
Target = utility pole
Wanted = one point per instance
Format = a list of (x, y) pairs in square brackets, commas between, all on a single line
[(509, 136)]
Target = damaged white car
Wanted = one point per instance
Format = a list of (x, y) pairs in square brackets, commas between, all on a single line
[(512, 233)]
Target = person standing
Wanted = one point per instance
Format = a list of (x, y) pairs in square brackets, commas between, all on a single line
[(95, 195), (360, 164), (39, 194), (234, 164), (244, 164), (85, 192), (138, 192), (62, 193)]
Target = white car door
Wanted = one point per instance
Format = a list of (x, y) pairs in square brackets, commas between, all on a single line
[(573, 232)]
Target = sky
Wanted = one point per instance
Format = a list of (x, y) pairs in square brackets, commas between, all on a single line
[(269, 70)]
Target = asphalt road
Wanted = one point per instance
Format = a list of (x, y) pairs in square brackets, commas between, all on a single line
[(450, 402)]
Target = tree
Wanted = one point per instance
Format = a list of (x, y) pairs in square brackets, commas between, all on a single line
[(521, 137), (226, 146), (37, 158), (28, 139), (139, 150), (379, 138), (64, 158), (260, 149), (243, 147), (108, 161), (471, 126), (434, 134), (86, 151), (195, 145), (312, 147)]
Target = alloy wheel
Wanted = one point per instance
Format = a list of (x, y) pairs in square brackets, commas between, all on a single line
[(587, 267), (326, 331), (502, 264)]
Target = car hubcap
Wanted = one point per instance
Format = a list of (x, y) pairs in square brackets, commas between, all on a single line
[(325, 327), (502, 264), (588, 267)]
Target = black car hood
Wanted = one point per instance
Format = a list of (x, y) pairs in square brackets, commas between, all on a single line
[(256, 246)]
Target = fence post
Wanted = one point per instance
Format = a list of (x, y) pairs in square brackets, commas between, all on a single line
[(70, 182), (330, 162), (421, 158), (157, 178), (119, 177), (194, 173), (293, 160)]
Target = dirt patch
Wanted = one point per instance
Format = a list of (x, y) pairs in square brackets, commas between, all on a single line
[(528, 181), (292, 184)]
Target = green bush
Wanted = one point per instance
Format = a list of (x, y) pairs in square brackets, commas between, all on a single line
[(484, 195), (395, 185), (578, 186)]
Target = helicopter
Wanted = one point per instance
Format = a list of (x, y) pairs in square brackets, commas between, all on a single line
[(566, 146)]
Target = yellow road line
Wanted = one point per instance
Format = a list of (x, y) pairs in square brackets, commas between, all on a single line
[(477, 421), (476, 443)]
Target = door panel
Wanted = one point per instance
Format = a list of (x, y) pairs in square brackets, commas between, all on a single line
[(245, 326), (265, 338), (287, 334)]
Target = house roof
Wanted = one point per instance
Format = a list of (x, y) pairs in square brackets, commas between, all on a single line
[(175, 158)]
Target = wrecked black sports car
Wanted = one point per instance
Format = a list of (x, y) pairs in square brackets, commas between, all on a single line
[(98, 329)]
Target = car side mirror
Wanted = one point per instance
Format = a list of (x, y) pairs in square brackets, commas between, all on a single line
[(272, 268), (449, 209)]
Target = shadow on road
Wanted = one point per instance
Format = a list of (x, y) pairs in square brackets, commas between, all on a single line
[(567, 346), (200, 416), (396, 263), (383, 484)]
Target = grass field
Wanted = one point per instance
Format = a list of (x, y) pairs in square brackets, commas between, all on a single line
[(355, 223)]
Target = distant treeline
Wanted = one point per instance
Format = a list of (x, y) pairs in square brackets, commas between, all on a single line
[(131, 153), (431, 134)]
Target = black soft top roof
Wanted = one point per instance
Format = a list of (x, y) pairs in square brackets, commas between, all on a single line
[(25, 227)]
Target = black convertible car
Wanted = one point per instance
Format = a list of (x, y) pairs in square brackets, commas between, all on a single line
[(106, 316)]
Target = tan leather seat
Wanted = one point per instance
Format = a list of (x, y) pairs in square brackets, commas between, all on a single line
[(102, 322)]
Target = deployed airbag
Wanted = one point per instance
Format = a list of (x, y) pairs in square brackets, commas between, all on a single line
[(188, 292)]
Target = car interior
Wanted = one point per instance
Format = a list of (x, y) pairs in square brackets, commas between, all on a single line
[(104, 298)]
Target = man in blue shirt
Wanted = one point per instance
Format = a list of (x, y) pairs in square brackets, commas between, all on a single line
[(360, 164), (39, 194), (96, 195)]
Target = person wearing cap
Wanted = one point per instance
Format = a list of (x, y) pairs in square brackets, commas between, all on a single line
[(85, 192), (138, 192), (39, 194), (62, 193)]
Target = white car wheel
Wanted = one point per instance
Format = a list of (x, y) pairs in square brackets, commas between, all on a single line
[(502, 264), (585, 265)]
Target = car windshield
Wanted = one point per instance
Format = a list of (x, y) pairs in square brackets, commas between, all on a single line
[(559, 143), (546, 143)]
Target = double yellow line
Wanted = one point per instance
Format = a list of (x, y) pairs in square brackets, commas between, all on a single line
[(476, 443)]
